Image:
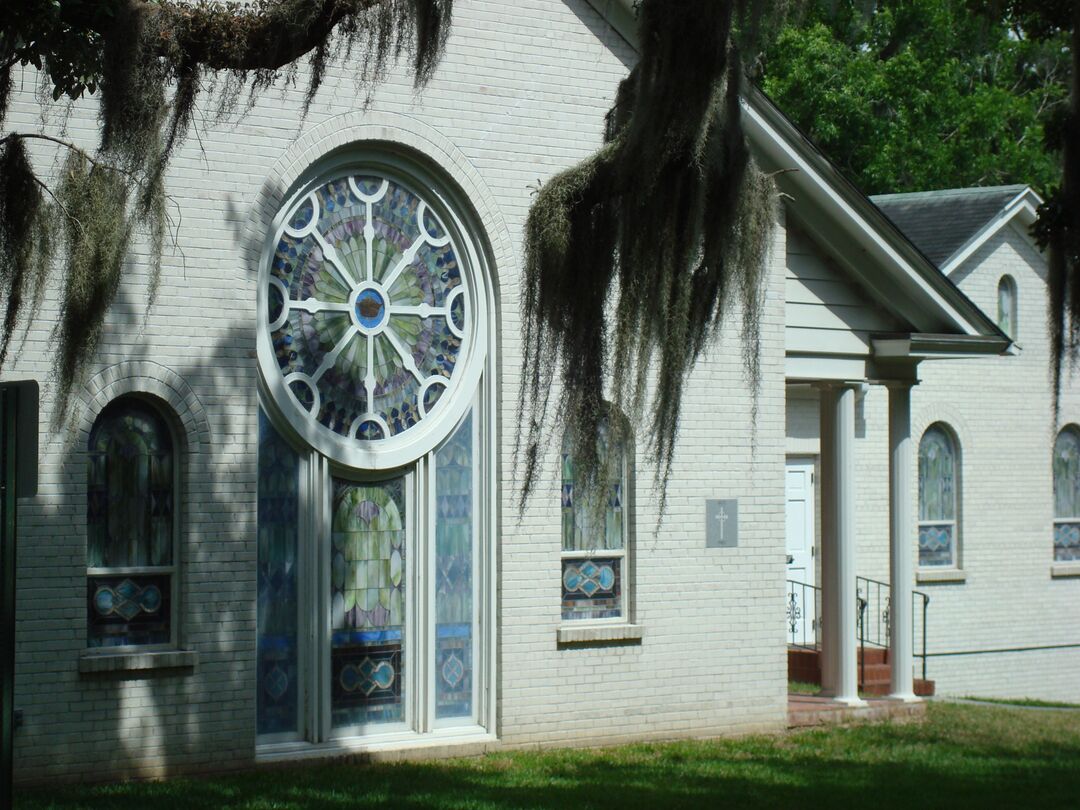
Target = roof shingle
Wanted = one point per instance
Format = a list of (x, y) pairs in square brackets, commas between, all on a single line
[(942, 222)]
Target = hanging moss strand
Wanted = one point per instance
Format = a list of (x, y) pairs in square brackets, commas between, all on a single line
[(634, 257), (154, 59)]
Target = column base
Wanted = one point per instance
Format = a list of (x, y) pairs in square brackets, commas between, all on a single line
[(905, 697)]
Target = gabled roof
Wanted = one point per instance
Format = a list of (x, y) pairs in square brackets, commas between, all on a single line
[(868, 245), (949, 225)]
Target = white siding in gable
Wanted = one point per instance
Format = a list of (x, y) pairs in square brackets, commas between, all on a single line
[(825, 312)]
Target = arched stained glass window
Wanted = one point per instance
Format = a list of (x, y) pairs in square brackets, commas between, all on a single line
[(371, 313), (131, 527), (1066, 464), (938, 465), (594, 541), (1006, 305), (375, 557)]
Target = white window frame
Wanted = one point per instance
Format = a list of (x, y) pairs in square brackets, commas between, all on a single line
[(313, 603), (624, 554), (1061, 521), (322, 459), (173, 570), (955, 522), (1009, 283)]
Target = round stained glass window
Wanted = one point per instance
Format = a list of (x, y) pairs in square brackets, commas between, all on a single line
[(369, 312)]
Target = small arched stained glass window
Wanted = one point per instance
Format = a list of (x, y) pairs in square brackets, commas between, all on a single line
[(594, 538), (1006, 305), (131, 526), (937, 498), (1066, 464), (370, 312)]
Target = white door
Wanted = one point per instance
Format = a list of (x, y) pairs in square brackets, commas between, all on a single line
[(801, 605)]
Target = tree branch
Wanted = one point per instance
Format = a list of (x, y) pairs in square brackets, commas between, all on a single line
[(95, 161), (62, 207), (221, 37)]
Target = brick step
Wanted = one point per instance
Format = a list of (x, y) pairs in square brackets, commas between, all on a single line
[(874, 655), (805, 666), (878, 688), (874, 673)]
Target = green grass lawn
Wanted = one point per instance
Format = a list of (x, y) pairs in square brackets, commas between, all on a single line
[(962, 756)]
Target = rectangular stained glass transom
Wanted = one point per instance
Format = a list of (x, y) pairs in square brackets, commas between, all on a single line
[(455, 485), (936, 545), (367, 591), (128, 610), (278, 499), (591, 588), (1066, 542)]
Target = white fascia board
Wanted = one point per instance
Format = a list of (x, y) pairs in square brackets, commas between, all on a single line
[(928, 347), (1023, 207), (815, 368), (864, 235), (621, 16)]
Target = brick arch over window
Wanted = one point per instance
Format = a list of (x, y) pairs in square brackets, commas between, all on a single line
[(153, 379)]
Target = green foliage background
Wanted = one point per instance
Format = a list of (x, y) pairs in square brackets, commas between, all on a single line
[(912, 95)]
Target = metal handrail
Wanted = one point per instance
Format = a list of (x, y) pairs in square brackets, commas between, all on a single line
[(798, 606), (804, 614)]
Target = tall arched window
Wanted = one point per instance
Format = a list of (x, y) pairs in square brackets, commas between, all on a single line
[(938, 498), (1066, 464), (375, 462), (595, 539), (1006, 305), (131, 527)]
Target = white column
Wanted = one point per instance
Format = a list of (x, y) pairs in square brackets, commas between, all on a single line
[(839, 643), (901, 535)]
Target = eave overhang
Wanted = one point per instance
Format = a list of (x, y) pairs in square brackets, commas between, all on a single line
[(884, 261), (1024, 208)]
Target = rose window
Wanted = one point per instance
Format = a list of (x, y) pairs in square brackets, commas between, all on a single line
[(368, 314)]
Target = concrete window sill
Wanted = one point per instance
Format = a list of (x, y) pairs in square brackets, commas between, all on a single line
[(94, 662), (601, 634), (1062, 570), (930, 575)]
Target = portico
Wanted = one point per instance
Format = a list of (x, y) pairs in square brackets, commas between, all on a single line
[(863, 309)]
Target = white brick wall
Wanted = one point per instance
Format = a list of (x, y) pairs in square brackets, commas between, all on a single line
[(1000, 409), (520, 95)]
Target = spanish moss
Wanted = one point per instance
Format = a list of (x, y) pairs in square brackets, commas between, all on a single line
[(1057, 229), (150, 61), (634, 257)]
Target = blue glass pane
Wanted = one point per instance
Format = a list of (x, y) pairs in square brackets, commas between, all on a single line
[(455, 476), (591, 588), (278, 494), (1066, 542), (128, 610), (936, 545)]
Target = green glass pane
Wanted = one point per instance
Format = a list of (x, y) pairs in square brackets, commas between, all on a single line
[(130, 487), (1066, 464), (937, 476)]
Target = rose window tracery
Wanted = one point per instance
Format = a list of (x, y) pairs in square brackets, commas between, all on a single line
[(368, 310)]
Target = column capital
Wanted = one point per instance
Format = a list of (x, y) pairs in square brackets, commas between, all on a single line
[(837, 385), (899, 384)]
